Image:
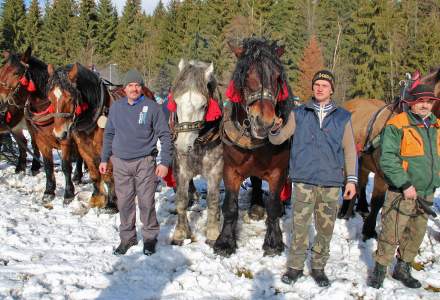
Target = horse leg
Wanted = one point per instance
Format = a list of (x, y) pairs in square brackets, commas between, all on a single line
[(182, 230), (273, 241), (78, 174), (49, 193), (36, 165), (362, 205), (193, 195), (226, 243), (256, 211), (66, 166), (213, 200), (377, 200), (22, 144)]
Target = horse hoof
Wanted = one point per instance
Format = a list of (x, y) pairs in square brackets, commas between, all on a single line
[(19, 169), (47, 201), (67, 200), (223, 249), (97, 201), (35, 172), (371, 235), (210, 243), (177, 242), (256, 212), (77, 180), (108, 210), (273, 252)]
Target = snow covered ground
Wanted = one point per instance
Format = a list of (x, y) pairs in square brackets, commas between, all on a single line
[(58, 254)]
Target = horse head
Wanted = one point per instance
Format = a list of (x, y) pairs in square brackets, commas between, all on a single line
[(259, 81), (72, 91), (192, 92)]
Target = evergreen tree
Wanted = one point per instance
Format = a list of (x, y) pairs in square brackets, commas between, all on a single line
[(126, 38), (32, 27), (311, 62), (87, 24), (107, 17), (13, 23)]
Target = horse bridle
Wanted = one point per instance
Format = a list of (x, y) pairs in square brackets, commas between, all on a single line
[(10, 99)]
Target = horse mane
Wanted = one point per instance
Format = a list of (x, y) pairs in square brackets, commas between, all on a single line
[(37, 70), (86, 89), (193, 76), (260, 53)]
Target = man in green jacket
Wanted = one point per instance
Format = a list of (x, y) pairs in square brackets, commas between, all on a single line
[(410, 161)]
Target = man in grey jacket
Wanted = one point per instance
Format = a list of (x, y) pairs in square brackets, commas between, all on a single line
[(134, 124)]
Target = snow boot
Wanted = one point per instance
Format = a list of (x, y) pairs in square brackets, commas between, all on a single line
[(402, 272), (377, 277)]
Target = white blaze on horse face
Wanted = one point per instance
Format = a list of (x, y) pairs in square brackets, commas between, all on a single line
[(59, 132), (191, 108)]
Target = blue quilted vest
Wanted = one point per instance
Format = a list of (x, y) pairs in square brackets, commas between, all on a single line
[(316, 155)]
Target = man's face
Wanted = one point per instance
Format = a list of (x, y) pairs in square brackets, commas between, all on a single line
[(422, 108), (133, 91), (322, 90)]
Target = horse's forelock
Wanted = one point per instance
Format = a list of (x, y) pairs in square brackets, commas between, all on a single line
[(193, 77)]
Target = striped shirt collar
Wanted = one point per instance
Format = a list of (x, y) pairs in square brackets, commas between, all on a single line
[(326, 107)]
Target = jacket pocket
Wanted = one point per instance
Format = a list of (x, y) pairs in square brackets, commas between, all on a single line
[(412, 143)]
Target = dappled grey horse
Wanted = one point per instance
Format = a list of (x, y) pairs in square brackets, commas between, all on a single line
[(195, 123)]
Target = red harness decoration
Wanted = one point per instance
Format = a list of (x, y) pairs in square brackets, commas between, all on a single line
[(8, 117), (213, 112), (48, 110), (81, 108), (234, 95), (169, 179), (29, 84), (286, 191)]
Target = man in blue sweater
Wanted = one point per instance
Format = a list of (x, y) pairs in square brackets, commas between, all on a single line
[(134, 124), (322, 161)]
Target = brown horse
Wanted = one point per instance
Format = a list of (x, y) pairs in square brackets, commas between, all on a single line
[(81, 102), (376, 113), (254, 94), (30, 97), (14, 74)]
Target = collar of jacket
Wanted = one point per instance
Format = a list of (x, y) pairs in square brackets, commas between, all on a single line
[(309, 105), (416, 120)]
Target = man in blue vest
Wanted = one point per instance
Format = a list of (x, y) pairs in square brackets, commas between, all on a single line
[(322, 160)]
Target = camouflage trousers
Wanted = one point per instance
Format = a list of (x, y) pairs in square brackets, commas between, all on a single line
[(322, 202), (403, 225)]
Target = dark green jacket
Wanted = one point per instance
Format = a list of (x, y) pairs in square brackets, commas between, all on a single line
[(410, 153)]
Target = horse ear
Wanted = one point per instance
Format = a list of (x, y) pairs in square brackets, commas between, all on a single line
[(73, 73), (237, 50), (50, 69), (208, 72), (26, 55), (280, 51), (182, 64)]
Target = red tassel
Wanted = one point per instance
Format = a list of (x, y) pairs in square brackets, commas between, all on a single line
[(232, 93), (23, 81), (31, 87), (171, 105), (286, 192), (284, 93), (81, 108), (213, 112), (415, 83), (170, 181), (8, 117)]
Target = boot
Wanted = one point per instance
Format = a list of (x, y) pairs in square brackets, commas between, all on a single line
[(402, 272), (291, 276), (150, 247), (124, 246), (320, 278), (377, 277)]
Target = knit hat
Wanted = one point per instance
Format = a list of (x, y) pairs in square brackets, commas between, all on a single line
[(133, 76), (324, 75), (419, 93)]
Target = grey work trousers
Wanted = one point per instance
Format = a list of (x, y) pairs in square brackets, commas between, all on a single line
[(136, 178)]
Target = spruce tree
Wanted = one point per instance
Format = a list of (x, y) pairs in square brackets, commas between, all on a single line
[(13, 23), (311, 62), (105, 30), (32, 27), (87, 24)]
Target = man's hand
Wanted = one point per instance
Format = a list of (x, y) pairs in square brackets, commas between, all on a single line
[(410, 193), (103, 168), (350, 191), (276, 125), (161, 170)]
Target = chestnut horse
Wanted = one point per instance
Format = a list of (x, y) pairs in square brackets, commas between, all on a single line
[(14, 74), (81, 102), (35, 107), (256, 93), (376, 113)]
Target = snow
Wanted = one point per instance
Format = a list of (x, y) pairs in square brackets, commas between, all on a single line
[(65, 254)]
